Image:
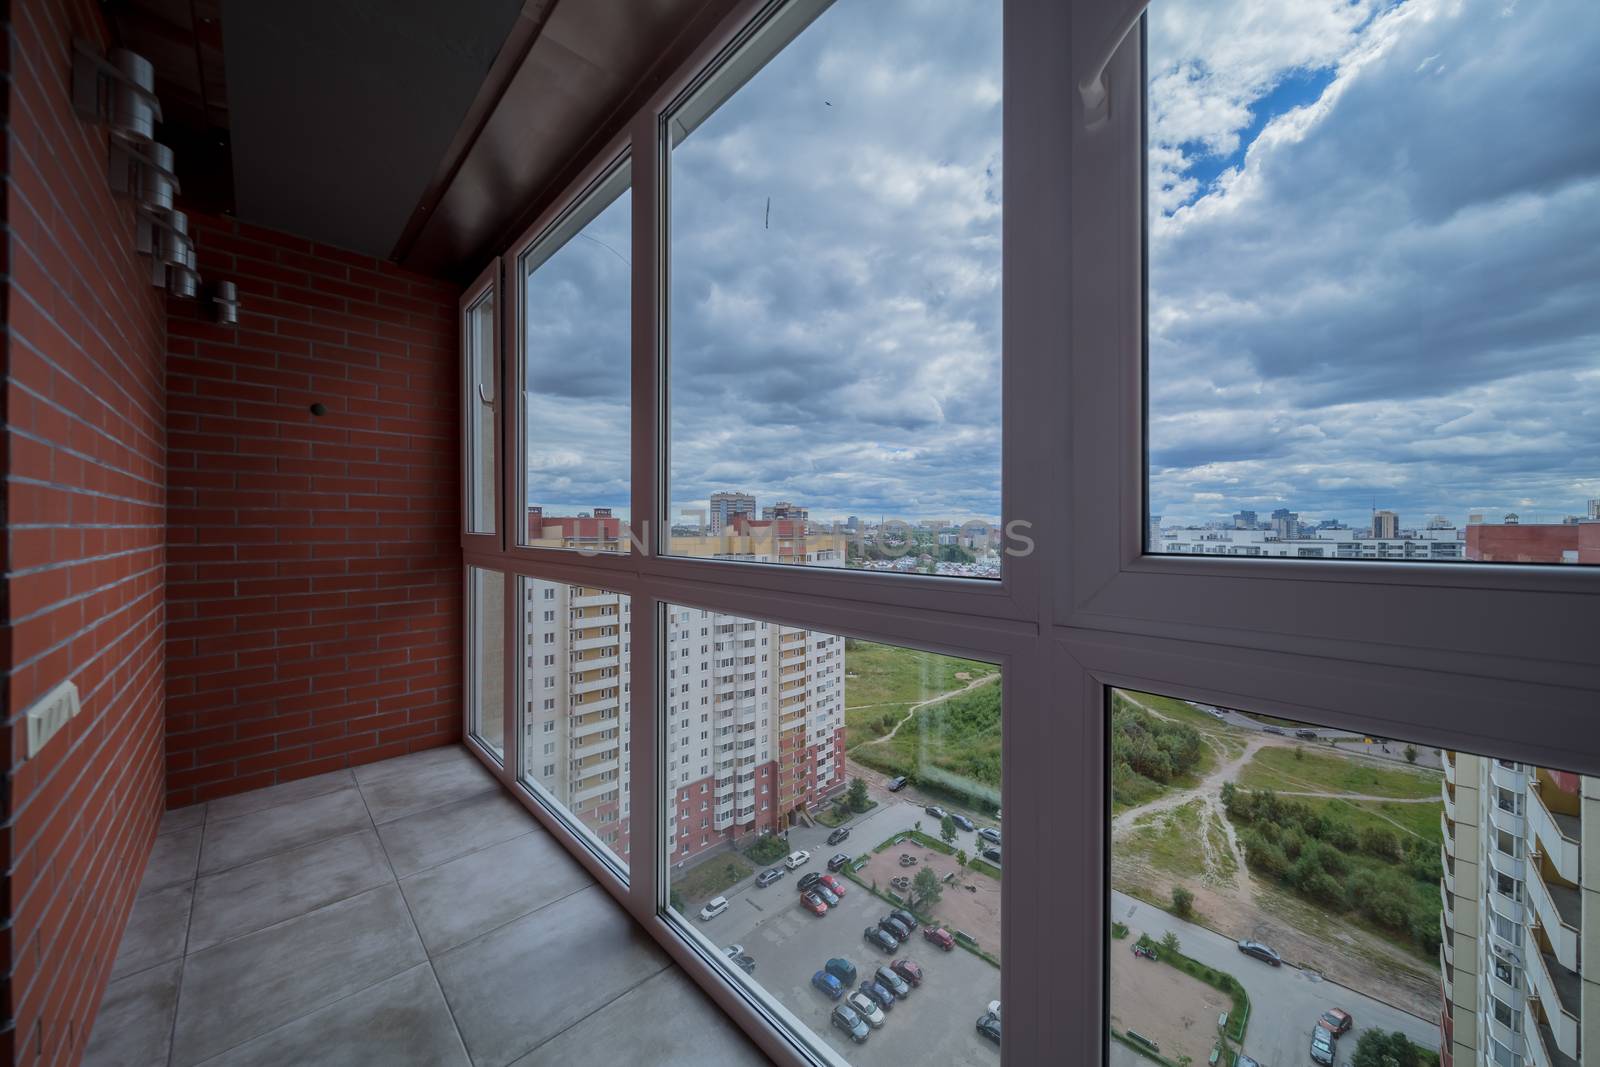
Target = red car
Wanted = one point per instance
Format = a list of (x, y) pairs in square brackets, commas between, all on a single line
[(835, 884), (1336, 1021), (910, 970), (939, 936), (813, 903)]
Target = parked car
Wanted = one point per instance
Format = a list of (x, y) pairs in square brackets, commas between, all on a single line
[(797, 859), (838, 835), (989, 833), (890, 925), (828, 984), (963, 822), (867, 1008), (939, 936), (813, 903), (994, 1007), (906, 919), (841, 969), (886, 977), (838, 862), (741, 959), (897, 783), (846, 1019), (1260, 952), (879, 939), (992, 855), (989, 1026), (1321, 1047), (1336, 1020), (835, 885), (935, 810), (1273, 730), (808, 880), (1241, 1060), (829, 897), (714, 907), (770, 875), (879, 993), (1309, 735), (910, 970)]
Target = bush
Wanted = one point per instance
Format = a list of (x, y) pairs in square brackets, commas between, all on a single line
[(1170, 943), (1182, 901), (1378, 1049), (769, 848)]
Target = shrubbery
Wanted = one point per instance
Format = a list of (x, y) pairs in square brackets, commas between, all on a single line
[(1146, 750), (1378, 1049)]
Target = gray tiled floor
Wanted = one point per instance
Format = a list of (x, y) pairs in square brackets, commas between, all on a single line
[(406, 913)]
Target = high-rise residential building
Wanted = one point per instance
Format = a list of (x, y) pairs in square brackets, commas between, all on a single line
[(785, 510), (1286, 524), (724, 506), (755, 714), (1244, 520), (1521, 917), (1385, 525), (1154, 531)]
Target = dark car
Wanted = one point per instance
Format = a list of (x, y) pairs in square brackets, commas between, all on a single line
[(808, 880), (992, 855), (886, 977), (846, 1019), (1308, 735), (935, 810), (939, 936), (839, 862), (1260, 952), (910, 970), (879, 939), (1322, 1050), (963, 822), (890, 925), (744, 961), (768, 876), (1273, 730), (1336, 1020), (989, 1026), (829, 897), (841, 969), (897, 783), (989, 833), (838, 835), (879, 993), (828, 984), (906, 919)]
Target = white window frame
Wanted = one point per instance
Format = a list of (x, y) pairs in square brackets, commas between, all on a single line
[(487, 284), (1496, 659)]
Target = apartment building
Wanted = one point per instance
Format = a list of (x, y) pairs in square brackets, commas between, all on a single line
[(1521, 915), (1284, 540), (755, 710)]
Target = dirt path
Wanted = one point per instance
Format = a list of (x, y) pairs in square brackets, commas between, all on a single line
[(975, 683)]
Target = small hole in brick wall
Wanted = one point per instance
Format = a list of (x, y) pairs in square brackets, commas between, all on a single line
[(319, 409)]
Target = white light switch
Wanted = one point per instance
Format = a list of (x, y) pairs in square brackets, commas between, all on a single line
[(50, 714)]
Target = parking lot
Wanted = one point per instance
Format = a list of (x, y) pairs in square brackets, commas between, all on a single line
[(935, 1024)]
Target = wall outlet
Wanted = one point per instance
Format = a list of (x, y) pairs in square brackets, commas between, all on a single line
[(50, 714)]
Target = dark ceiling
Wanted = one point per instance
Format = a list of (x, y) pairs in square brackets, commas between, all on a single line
[(414, 130)]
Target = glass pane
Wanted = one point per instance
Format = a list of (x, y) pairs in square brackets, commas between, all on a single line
[(482, 382), (815, 787), (834, 370), (577, 349), (575, 705), (486, 706), (1341, 897), (1371, 306)]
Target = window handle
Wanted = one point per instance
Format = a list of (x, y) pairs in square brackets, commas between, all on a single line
[(1096, 95), (484, 394)]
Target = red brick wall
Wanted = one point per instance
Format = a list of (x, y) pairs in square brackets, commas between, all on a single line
[(1531, 543), (85, 487), (314, 579)]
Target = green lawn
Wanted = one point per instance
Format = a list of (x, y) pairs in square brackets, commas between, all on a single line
[(881, 679), (952, 747), (1316, 771), (1419, 820), (1177, 709), (1169, 840), (706, 879)]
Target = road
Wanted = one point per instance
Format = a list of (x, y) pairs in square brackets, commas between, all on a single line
[(1284, 1001), (1389, 750)]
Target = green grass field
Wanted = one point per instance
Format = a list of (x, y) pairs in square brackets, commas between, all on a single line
[(1316, 772), (952, 746), (705, 880), (1169, 841), (1415, 820), (882, 682)]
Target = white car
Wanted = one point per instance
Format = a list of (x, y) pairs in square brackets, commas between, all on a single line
[(796, 860), (867, 1008), (714, 907)]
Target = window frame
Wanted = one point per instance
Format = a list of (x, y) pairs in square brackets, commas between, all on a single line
[(486, 285), (1501, 666)]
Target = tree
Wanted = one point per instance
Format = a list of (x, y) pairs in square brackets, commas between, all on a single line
[(961, 857), (1182, 901), (1170, 943), (1378, 1049), (947, 830), (1411, 753), (857, 795), (925, 889)]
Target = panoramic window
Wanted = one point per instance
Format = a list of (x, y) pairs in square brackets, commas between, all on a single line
[(1250, 852), (576, 338), (481, 377), (833, 812), (1370, 336), (574, 699), (834, 294), (486, 706)]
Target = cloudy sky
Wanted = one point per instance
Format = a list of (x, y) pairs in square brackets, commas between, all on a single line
[(1374, 269)]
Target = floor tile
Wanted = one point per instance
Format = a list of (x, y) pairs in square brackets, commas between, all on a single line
[(156, 930), (419, 786), (666, 1019), (398, 1022), (172, 860), (518, 986), (245, 899), (372, 772), (283, 793), (242, 989), (134, 1025), (459, 900), (182, 818), (437, 835), (232, 842)]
